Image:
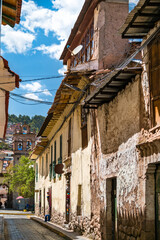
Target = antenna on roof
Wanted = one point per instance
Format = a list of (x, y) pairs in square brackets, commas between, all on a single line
[(76, 50)]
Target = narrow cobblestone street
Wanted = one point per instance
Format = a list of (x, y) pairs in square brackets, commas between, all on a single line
[(22, 228)]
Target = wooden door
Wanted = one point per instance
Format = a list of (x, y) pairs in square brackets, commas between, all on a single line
[(44, 200), (39, 201), (50, 201), (114, 209)]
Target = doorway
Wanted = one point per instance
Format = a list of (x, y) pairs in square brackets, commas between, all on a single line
[(114, 208), (110, 233), (50, 201), (44, 198), (39, 201), (67, 198)]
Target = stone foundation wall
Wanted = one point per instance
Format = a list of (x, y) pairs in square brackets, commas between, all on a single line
[(37, 212), (131, 225), (57, 217), (88, 227)]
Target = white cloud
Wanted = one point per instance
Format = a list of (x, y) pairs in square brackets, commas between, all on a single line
[(134, 1), (36, 17), (58, 21), (54, 51), (32, 96), (16, 41), (47, 93), (62, 70), (35, 87)]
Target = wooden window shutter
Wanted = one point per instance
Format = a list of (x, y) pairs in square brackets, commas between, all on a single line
[(36, 172)]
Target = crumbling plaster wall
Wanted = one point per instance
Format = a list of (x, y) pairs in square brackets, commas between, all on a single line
[(121, 118), (117, 128)]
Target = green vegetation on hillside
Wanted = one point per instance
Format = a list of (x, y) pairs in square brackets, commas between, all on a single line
[(35, 122)]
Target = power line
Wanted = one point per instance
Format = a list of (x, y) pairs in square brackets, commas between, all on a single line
[(24, 102), (47, 90), (34, 79), (40, 101), (30, 99)]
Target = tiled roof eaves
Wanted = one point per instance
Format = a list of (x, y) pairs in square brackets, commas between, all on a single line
[(131, 19), (17, 78), (19, 7)]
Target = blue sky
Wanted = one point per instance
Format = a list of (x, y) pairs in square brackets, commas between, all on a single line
[(34, 46)]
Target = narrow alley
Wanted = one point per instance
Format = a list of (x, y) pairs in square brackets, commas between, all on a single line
[(20, 227)]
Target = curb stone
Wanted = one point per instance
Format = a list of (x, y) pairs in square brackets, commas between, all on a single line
[(63, 233)]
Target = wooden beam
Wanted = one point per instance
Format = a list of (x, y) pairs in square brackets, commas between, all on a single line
[(142, 26), (90, 107), (9, 17), (149, 14), (156, 4), (7, 22), (8, 5), (108, 93), (110, 89)]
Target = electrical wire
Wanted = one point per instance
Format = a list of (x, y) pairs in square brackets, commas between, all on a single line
[(35, 79), (47, 90), (30, 99), (24, 102), (40, 101)]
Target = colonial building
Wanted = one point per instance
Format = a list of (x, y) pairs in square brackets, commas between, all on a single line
[(11, 10), (126, 176), (70, 135), (23, 143), (145, 207)]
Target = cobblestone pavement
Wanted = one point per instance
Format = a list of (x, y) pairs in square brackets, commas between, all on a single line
[(21, 228)]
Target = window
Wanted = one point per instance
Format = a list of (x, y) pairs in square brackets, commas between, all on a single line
[(29, 143), (84, 128), (55, 156), (155, 80), (86, 54), (79, 202), (36, 197), (51, 163), (60, 149), (51, 154), (69, 139), (42, 166), (20, 145), (36, 172), (46, 165)]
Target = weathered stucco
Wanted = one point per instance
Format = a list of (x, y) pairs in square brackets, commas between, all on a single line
[(121, 146), (80, 173)]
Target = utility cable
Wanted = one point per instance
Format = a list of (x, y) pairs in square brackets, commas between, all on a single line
[(40, 101), (24, 102), (35, 79)]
